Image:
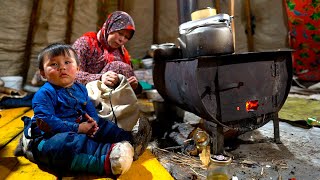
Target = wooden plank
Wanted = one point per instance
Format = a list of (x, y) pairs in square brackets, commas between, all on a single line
[(7, 115), (10, 130), (145, 168), (11, 167)]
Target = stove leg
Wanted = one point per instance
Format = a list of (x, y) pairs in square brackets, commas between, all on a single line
[(215, 131), (276, 132), (220, 140)]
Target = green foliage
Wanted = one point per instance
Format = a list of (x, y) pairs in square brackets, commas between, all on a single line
[(310, 26), (291, 5), (303, 46), (315, 3), (316, 37), (315, 16), (304, 55), (299, 62), (296, 22)]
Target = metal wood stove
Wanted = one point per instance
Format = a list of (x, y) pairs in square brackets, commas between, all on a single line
[(240, 91)]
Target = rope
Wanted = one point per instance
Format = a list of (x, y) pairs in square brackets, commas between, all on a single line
[(114, 116)]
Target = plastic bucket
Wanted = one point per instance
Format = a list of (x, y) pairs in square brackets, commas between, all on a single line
[(14, 82)]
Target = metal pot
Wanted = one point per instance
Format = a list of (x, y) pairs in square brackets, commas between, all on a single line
[(166, 51), (205, 37)]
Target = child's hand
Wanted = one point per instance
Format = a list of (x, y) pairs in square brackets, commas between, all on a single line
[(94, 128), (89, 128)]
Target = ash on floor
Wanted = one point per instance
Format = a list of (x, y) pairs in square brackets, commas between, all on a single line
[(256, 156)]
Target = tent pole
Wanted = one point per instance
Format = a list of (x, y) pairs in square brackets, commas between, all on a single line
[(121, 5), (232, 24), (217, 6), (156, 13), (249, 26), (70, 11), (28, 48)]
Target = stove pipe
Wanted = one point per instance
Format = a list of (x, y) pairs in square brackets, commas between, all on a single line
[(185, 8)]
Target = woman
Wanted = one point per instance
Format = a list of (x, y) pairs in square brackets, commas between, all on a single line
[(103, 54)]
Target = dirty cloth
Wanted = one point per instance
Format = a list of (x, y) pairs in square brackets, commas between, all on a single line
[(119, 105), (12, 98)]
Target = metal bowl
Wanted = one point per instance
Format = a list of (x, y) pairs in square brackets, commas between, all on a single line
[(153, 95), (147, 63)]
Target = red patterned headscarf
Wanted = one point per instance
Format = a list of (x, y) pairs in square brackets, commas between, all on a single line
[(116, 21)]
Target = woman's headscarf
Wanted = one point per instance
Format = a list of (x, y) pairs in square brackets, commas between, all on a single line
[(116, 21)]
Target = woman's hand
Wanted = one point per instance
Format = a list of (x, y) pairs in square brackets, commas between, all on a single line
[(110, 79), (133, 81)]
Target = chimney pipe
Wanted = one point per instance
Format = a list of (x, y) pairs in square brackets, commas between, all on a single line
[(185, 8)]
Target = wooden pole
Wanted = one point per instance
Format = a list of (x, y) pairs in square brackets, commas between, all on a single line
[(249, 27), (232, 24), (156, 13), (102, 13), (70, 11), (121, 5), (28, 47), (217, 6), (285, 19)]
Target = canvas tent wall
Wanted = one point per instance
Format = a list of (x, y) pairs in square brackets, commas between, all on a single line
[(156, 22)]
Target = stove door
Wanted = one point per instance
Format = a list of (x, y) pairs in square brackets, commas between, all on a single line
[(248, 89)]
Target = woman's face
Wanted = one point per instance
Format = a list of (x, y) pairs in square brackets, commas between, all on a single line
[(118, 38)]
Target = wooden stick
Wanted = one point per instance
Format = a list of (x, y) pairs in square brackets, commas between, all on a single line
[(217, 6), (33, 22), (156, 13), (249, 27), (70, 11), (121, 5), (232, 24)]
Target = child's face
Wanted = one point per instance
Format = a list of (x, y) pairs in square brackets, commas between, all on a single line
[(60, 70), (118, 38)]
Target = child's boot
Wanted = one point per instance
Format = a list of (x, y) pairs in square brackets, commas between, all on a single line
[(141, 133), (121, 157), (24, 147)]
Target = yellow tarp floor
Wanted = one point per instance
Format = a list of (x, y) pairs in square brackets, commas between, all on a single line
[(11, 167)]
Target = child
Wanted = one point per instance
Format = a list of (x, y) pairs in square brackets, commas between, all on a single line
[(68, 134)]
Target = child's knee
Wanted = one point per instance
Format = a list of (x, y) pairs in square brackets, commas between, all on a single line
[(121, 157)]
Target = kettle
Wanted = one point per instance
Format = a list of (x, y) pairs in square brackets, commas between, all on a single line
[(205, 37)]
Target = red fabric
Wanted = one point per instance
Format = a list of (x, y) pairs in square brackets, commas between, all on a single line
[(304, 36), (92, 41), (107, 164), (109, 57), (116, 21)]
